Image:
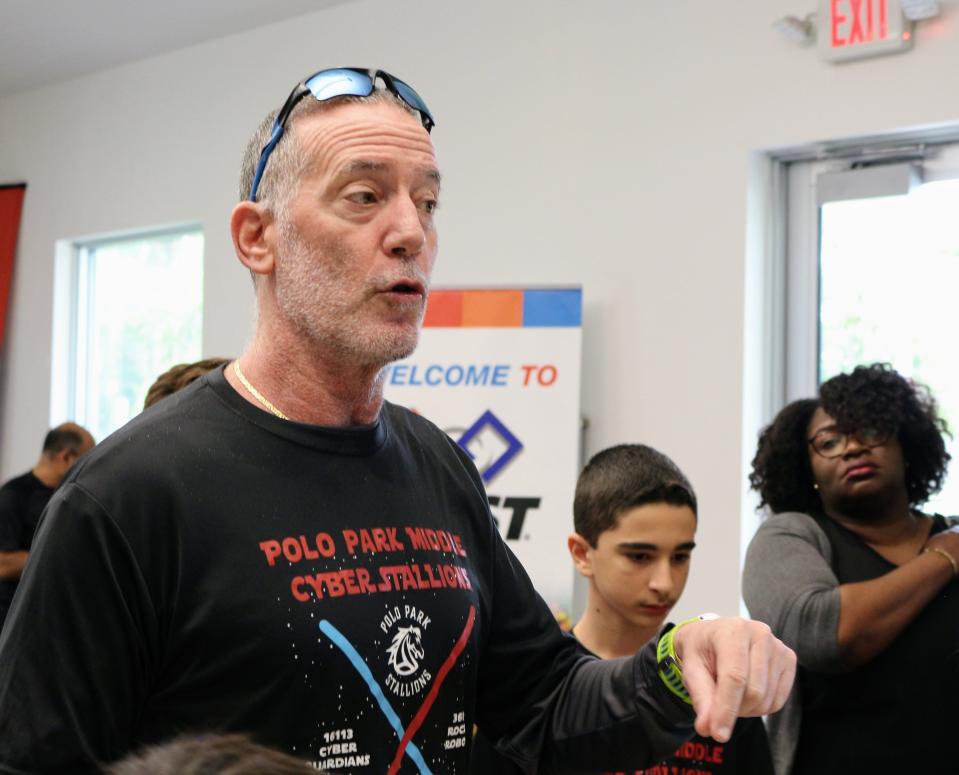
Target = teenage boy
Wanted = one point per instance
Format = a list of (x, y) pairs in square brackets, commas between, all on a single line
[(635, 519)]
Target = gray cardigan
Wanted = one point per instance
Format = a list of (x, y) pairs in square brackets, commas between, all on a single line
[(788, 583)]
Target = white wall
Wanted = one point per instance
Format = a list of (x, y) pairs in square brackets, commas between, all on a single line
[(603, 142)]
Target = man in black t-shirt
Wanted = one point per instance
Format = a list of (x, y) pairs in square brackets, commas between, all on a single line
[(23, 498), (278, 551)]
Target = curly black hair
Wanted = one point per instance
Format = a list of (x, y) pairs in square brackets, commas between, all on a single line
[(874, 396)]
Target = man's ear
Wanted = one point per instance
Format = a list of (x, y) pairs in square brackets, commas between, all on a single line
[(66, 458), (248, 226), (579, 550)]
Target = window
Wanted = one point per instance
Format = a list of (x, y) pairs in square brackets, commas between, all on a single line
[(127, 308), (872, 264)]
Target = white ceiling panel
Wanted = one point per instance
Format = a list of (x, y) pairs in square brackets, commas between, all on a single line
[(47, 41)]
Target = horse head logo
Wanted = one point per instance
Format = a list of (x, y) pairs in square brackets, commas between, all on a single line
[(406, 650)]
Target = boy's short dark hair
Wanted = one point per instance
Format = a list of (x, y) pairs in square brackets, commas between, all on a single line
[(621, 478)]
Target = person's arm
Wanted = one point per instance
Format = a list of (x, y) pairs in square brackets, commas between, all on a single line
[(873, 613), (11, 564), (604, 712), (789, 584)]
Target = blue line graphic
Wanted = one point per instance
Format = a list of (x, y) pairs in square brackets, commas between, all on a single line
[(361, 667)]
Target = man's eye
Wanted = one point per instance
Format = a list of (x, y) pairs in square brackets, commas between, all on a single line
[(429, 205), (640, 557), (363, 197), (681, 559)]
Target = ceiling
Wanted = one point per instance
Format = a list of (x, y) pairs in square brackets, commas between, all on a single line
[(46, 41)]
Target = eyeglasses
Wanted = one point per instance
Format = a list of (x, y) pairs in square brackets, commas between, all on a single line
[(338, 82), (830, 443)]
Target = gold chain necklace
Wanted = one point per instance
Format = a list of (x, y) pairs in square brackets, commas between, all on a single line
[(256, 393)]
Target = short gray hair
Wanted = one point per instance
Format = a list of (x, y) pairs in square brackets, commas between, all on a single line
[(287, 162)]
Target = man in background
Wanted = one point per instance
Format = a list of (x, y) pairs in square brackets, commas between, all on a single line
[(23, 498)]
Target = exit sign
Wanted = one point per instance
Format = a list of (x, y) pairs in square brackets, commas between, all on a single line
[(852, 29)]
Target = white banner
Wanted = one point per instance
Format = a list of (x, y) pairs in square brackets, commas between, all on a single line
[(499, 371)]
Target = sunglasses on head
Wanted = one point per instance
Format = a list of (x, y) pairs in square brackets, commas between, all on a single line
[(338, 82)]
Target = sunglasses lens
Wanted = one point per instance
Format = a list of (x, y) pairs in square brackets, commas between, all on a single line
[(340, 82), (328, 84), (411, 98)]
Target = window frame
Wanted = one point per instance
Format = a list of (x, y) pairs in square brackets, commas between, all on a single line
[(74, 276), (935, 151), (781, 315)]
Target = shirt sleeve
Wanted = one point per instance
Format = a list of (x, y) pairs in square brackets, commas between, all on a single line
[(71, 689), (788, 583), (485, 759), (10, 520)]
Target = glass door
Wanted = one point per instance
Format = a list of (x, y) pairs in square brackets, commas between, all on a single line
[(875, 277)]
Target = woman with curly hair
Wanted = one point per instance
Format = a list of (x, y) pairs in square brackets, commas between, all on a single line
[(849, 573)]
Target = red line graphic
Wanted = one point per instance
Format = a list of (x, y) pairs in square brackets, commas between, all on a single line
[(424, 709)]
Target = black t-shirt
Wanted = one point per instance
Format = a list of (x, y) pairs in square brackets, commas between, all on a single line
[(341, 594), (746, 753), (22, 501), (897, 712)]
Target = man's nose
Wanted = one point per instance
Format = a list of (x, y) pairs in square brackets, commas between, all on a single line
[(406, 236)]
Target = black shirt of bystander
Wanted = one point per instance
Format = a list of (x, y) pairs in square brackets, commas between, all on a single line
[(22, 501), (894, 713)]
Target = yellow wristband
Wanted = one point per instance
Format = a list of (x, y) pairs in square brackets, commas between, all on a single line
[(669, 665), (949, 558)]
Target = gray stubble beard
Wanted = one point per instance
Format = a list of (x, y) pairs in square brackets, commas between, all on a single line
[(304, 280)]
